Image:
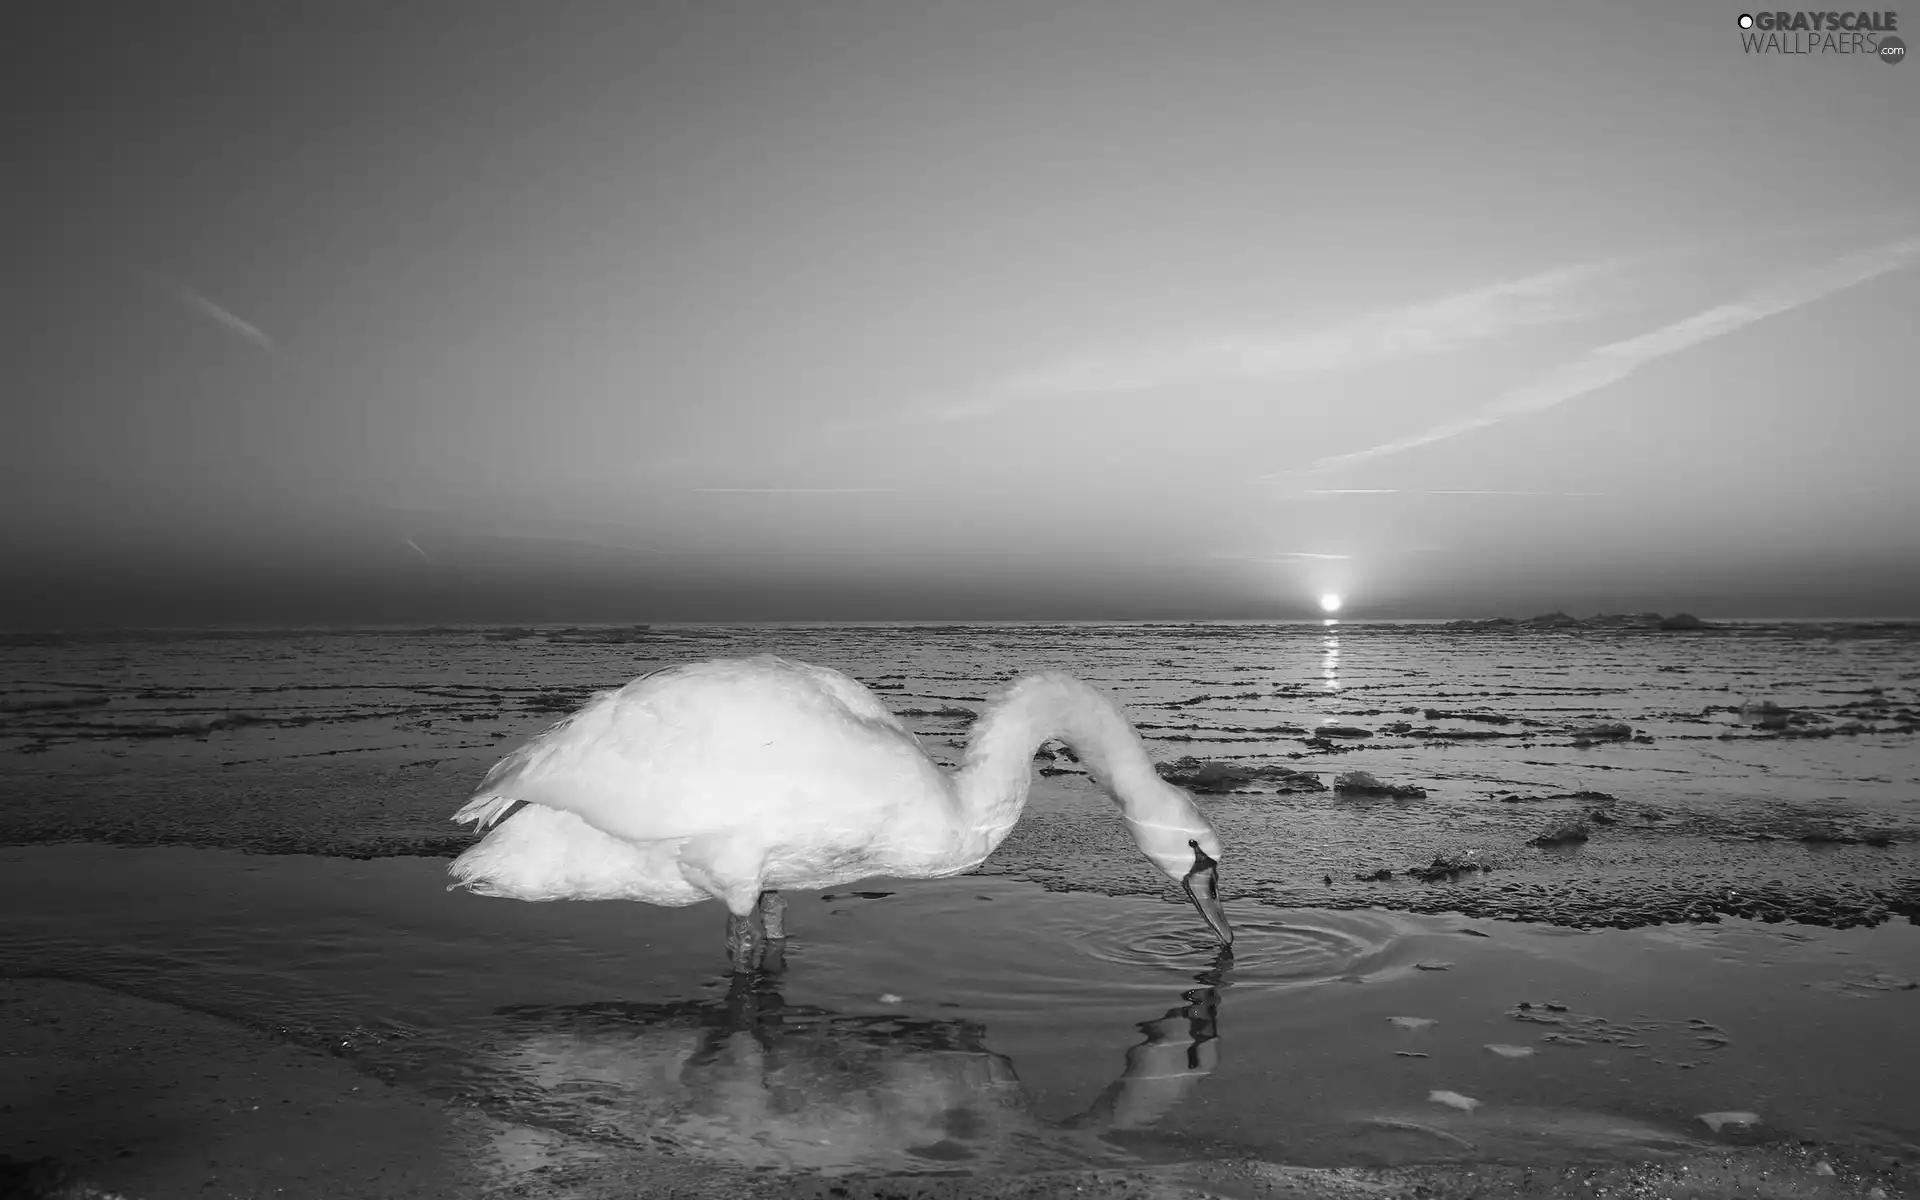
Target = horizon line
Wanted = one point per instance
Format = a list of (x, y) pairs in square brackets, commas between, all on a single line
[(1317, 621)]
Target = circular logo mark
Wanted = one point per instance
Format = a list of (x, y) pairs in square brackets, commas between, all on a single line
[(1892, 49), (1746, 20)]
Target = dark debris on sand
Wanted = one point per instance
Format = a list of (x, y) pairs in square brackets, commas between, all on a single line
[(1215, 777)]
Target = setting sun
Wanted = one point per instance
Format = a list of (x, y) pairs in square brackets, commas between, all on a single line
[(1330, 602)]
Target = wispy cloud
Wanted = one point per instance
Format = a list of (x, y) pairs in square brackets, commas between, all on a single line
[(1378, 337), (1438, 492), (798, 491), (1503, 492), (218, 314), (1283, 556), (425, 557), (1384, 335), (1611, 363)]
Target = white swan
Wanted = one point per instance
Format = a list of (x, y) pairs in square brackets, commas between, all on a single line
[(734, 778)]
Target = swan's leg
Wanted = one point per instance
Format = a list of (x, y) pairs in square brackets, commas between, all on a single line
[(773, 959), (773, 912), (742, 941)]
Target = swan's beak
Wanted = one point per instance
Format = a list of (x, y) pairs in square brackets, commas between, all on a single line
[(1202, 886)]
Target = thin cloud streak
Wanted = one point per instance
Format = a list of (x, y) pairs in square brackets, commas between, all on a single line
[(1611, 363), (1502, 492), (1283, 556), (1437, 492), (219, 315), (1383, 336)]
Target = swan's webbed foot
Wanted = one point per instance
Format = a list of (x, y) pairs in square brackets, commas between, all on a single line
[(773, 914)]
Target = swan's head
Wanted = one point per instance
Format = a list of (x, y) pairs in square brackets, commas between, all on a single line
[(1182, 843)]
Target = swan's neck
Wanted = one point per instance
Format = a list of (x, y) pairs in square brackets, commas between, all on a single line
[(997, 772)]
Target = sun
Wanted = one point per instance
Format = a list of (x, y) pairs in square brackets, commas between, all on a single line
[(1330, 602)]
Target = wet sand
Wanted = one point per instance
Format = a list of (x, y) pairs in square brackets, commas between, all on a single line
[(110, 1095)]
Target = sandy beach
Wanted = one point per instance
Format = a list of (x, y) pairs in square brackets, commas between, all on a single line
[(232, 967)]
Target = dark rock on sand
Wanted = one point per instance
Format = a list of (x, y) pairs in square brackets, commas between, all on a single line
[(1766, 714), (1341, 731), (1212, 776), (950, 711), (1445, 868), (1435, 714), (1364, 783), (1564, 834), (1604, 731)]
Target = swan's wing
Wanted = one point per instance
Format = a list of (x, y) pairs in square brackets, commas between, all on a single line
[(721, 746), (850, 693)]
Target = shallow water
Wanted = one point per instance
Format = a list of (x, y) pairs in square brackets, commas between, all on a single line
[(1060, 1006), (986, 1024)]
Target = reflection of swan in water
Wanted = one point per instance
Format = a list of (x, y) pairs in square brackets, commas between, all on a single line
[(754, 1082)]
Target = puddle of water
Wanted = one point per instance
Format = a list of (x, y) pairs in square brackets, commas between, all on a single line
[(993, 946)]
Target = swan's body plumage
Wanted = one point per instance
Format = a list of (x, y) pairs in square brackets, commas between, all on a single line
[(729, 778)]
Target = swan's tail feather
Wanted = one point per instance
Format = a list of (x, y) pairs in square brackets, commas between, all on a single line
[(549, 854), (485, 810)]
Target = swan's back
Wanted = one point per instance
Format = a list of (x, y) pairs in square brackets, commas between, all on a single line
[(717, 747)]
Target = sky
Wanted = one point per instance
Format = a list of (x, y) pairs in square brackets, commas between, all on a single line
[(637, 310)]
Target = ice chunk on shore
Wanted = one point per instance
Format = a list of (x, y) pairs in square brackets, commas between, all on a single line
[(1715, 1120), (1454, 1100)]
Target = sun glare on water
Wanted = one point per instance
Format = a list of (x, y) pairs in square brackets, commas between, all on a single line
[(1330, 603)]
